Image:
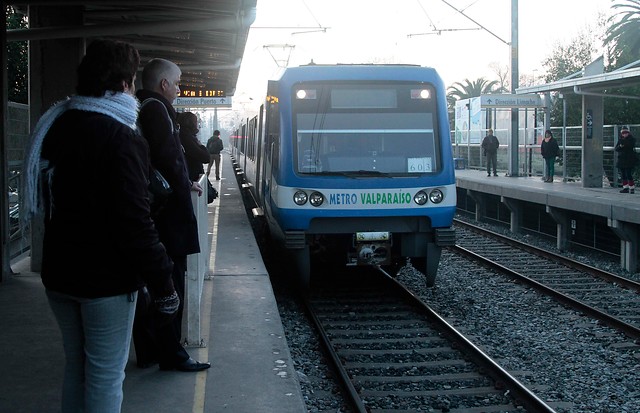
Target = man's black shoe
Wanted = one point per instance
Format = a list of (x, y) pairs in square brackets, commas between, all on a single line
[(188, 365)]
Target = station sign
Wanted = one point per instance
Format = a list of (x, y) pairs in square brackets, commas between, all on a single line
[(531, 100), (203, 102)]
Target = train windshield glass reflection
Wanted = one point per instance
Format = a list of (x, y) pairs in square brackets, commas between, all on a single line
[(370, 128)]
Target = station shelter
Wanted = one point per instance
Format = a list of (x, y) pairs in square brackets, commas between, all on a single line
[(475, 116)]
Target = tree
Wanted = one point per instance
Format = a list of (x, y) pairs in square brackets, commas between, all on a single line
[(566, 60), (468, 89), (624, 32), (17, 59), (503, 73)]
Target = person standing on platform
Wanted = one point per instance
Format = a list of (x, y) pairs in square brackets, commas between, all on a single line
[(214, 146), (195, 153), (627, 159), (490, 145), (549, 150), (87, 172), (176, 222)]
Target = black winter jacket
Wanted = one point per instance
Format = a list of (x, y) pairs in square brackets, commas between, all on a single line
[(549, 149), (626, 153), (176, 222), (490, 144), (195, 153), (99, 238)]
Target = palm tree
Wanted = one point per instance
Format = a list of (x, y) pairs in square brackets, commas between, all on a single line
[(468, 89), (624, 33)]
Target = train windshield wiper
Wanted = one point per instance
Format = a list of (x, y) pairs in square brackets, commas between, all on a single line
[(355, 174)]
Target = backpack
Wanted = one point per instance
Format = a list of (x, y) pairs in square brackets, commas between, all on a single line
[(214, 145)]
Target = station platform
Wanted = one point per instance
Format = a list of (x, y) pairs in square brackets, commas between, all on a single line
[(251, 368), (563, 202), (606, 201)]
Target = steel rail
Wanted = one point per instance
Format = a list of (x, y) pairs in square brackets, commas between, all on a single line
[(631, 284), (523, 396)]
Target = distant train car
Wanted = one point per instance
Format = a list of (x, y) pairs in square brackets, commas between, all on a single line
[(352, 165)]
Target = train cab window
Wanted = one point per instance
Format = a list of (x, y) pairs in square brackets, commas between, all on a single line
[(366, 128)]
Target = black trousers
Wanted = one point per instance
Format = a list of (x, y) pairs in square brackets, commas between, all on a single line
[(160, 342), (492, 158)]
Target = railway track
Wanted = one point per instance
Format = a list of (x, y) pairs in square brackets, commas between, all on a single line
[(394, 353), (612, 299)]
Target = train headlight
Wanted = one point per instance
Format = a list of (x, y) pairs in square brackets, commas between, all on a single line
[(420, 198), (420, 93), (436, 196), (300, 197), (306, 94), (316, 199)]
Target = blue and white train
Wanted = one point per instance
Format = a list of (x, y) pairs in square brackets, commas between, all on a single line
[(352, 165)]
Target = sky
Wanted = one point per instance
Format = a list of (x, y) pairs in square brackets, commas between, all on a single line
[(285, 32)]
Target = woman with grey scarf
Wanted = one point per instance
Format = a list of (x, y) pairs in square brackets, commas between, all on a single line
[(86, 172)]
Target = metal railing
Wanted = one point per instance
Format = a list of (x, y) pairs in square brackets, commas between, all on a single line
[(531, 163)]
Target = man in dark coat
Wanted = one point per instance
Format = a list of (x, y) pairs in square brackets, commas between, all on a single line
[(176, 222), (490, 145), (214, 146)]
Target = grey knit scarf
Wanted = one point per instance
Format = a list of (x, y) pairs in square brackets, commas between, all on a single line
[(122, 107)]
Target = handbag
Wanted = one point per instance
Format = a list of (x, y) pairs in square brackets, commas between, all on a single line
[(159, 190), (212, 193)]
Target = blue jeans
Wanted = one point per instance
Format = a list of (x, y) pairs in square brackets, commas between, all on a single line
[(96, 334)]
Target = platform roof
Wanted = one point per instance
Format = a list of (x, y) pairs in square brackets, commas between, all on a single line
[(206, 38), (594, 84)]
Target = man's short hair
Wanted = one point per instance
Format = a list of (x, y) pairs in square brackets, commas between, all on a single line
[(216, 132)]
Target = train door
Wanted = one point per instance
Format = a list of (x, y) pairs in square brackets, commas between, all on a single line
[(272, 140), (258, 155)]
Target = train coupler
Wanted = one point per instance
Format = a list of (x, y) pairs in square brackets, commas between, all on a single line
[(371, 248)]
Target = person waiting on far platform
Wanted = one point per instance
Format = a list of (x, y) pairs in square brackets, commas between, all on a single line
[(490, 145), (627, 159), (549, 150)]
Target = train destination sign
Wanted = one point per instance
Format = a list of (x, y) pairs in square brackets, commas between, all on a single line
[(531, 100)]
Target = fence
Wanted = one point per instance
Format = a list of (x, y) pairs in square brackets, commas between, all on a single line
[(530, 162)]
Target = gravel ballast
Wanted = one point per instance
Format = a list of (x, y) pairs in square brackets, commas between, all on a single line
[(570, 361)]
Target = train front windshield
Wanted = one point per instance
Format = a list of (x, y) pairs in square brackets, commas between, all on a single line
[(365, 129)]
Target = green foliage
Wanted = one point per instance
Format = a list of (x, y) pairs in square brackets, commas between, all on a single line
[(623, 34), (468, 89), (17, 60)]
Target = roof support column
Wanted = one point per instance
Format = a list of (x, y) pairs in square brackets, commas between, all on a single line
[(515, 208), (479, 199), (52, 77), (628, 234), (562, 227), (514, 145), (5, 267), (592, 121)]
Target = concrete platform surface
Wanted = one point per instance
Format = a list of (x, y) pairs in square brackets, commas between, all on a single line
[(242, 334)]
